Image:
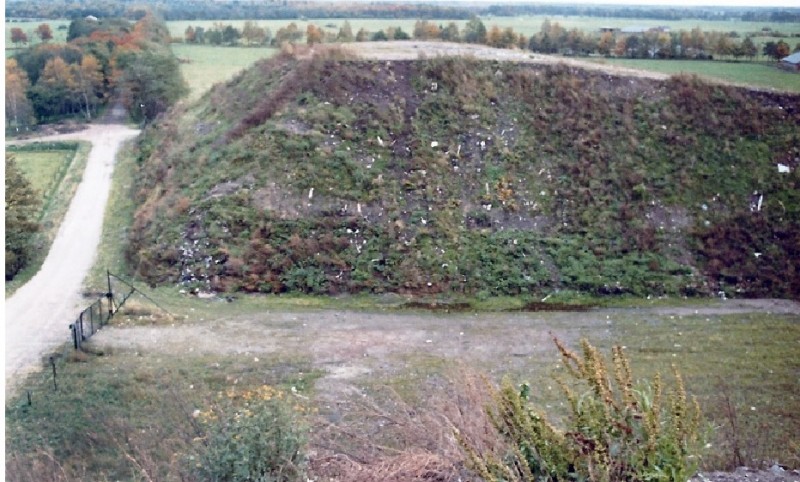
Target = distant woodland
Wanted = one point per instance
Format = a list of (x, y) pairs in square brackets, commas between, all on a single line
[(106, 60), (282, 9)]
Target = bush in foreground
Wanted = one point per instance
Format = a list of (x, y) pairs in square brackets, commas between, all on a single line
[(252, 435), (614, 431)]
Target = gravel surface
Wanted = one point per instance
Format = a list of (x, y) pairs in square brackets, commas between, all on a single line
[(39, 313)]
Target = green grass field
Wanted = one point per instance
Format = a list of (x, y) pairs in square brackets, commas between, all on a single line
[(44, 169), (55, 172), (147, 397), (59, 34), (527, 25), (203, 65), (760, 75)]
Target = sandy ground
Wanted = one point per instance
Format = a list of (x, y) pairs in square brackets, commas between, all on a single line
[(412, 50), (37, 316), (347, 345)]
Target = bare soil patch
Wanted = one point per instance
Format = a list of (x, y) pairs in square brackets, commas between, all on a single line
[(413, 50)]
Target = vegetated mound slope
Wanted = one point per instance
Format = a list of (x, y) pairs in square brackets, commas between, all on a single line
[(459, 175)]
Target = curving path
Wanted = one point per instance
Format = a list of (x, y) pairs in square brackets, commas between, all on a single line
[(37, 316)]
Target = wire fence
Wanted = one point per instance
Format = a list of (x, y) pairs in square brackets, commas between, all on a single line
[(91, 320)]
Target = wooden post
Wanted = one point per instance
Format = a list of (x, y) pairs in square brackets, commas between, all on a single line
[(110, 296), (74, 335), (53, 363)]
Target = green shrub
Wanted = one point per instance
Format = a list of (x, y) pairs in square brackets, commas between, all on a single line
[(253, 435), (613, 432)]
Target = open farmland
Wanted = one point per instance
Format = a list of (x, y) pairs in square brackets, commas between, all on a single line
[(527, 25), (757, 75), (203, 65), (58, 27)]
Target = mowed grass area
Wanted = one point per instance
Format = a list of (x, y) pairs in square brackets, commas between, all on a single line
[(44, 169), (55, 171), (741, 367), (204, 65), (759, 75)]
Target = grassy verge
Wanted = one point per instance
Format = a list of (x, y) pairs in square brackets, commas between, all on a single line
[(120, 416), (131, 412), (752, 74), (118, 218), (742, 369), (55, 170)]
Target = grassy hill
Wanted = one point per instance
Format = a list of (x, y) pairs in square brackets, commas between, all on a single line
[(453, 175)]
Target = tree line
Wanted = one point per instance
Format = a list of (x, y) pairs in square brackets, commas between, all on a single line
[(102, 59), (282, 9), (655, 43)]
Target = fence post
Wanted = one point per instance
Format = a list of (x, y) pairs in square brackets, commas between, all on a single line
[(110, 296), (53, 363), (80, 326), (74, 330), (91, 319)]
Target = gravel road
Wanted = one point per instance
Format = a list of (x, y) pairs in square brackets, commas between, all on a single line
[(39, 313)]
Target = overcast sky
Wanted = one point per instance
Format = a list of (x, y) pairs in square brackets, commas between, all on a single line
[(670, 3)]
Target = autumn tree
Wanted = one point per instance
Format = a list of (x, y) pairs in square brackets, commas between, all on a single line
[(494, 38), (345, 33), (253, 34), (550, 39), (698, 39), (776, 50), (783, 49), (18, 36), (22, 209), (362, 35), (426, 30), (44, 32), (724, 46), (19, 111), (606, 43), (189, 35), (314, 34), (88, 82), (55, 92), (289, 33)]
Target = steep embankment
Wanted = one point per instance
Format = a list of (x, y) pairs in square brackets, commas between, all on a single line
[(461, 175)]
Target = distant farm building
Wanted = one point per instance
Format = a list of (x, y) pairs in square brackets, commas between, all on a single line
[(609, 29), (791, 63)]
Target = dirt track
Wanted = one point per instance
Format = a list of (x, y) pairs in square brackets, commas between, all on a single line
[(39, 313)]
